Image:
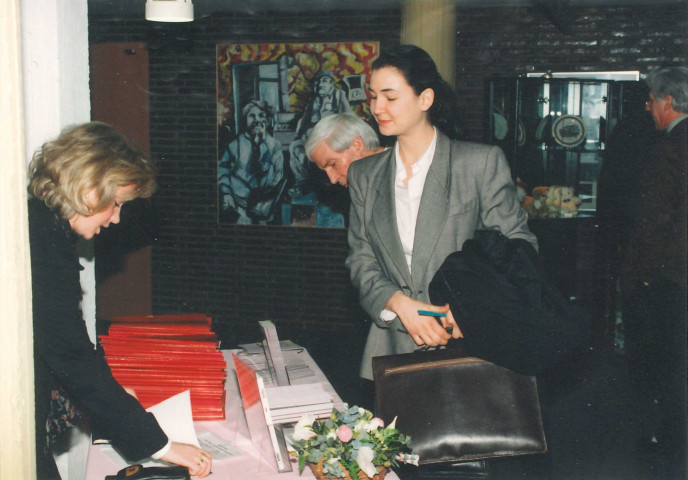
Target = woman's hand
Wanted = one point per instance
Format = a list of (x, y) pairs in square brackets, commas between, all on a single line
[(424, 329), (197, 460), (450, 322)]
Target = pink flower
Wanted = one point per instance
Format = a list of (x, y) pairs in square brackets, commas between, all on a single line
[(345, 434)]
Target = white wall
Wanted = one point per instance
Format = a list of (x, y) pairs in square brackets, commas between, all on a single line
[(56, 91), (44, 58), (56, 72)]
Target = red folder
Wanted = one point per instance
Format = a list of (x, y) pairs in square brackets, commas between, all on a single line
[(162, 355)]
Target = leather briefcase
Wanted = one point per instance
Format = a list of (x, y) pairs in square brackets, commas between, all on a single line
[(458, 408)]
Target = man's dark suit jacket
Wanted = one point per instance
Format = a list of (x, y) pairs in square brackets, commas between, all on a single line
[(657, 246)]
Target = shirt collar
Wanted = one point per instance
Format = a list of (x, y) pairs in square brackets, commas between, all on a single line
[(674, 123), (422, 164)]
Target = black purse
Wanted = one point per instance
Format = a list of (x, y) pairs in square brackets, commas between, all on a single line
[(138, 472), (458, 408)]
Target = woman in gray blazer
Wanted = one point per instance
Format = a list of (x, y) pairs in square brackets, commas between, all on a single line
[(414, 204)]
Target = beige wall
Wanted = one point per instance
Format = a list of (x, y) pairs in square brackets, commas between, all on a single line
[(431, 24), (16, 369)]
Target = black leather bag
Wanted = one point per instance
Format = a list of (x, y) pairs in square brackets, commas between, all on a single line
[(458, 408)]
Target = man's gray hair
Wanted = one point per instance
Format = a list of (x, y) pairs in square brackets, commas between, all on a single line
[(339, 131), (672, 81)]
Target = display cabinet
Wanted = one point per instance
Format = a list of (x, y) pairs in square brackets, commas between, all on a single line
[(554, 130), (554, 127)]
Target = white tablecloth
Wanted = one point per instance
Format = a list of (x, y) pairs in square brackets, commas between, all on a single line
[(233, 430)]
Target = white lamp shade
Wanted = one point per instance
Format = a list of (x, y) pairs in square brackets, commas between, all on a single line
[(169, 10)]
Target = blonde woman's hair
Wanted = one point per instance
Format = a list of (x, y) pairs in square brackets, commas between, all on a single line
[(90, 156)]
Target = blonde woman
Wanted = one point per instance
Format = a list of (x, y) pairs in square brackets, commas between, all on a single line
[(78, 185)]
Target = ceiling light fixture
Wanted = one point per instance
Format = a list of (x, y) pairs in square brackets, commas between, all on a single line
[(169, 10)]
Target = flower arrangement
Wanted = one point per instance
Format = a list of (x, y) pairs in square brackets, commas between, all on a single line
[(353, 439)]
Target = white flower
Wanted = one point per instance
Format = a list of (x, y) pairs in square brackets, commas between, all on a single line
[(365, 460), (332, 434), (393, 425), (410, 458), (374, 424), (302, 429)]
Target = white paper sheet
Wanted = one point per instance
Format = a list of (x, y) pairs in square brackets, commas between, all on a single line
[(175, 418), (216, 447)]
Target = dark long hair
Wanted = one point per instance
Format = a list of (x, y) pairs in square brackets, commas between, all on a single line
[(421, 72)]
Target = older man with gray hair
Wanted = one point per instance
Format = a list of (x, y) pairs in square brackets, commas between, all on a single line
[(338, 140), (654, 275)]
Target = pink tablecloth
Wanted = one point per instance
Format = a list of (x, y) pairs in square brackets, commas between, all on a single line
[(234, 431)]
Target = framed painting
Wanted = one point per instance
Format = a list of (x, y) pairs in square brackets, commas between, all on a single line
[(269, 97)]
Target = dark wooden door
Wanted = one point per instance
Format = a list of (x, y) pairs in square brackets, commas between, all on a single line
[(119, 96)]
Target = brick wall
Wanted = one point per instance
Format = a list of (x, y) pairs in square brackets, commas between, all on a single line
[(504, 41), (236, 274), (241, 274)]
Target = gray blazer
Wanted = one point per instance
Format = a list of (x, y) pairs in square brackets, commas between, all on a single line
[(468, 187)]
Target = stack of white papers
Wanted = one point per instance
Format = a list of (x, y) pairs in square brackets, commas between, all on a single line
[(298, 371), (287, 404), (257, 347)]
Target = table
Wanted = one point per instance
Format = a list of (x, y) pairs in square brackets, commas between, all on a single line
[(234, 430)]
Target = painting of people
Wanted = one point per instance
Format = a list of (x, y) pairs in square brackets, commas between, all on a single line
[(269, 97)]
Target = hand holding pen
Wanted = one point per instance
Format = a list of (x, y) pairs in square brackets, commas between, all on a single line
[(423, 329), (445, 319)]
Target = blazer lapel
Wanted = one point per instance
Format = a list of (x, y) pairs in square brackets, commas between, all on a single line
[(432, 214), (385, 219)]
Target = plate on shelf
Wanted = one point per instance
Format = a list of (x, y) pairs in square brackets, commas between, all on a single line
[(500, 126), (520, 133), (568, 131)]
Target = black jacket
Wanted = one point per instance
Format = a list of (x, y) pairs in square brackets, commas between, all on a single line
[(508, 312), (659, 231), (63, 354)]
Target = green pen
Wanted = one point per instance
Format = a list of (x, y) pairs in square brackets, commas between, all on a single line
[(437, 316), (432, 314)]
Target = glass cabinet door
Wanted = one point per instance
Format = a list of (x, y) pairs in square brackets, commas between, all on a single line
[(554, 131)]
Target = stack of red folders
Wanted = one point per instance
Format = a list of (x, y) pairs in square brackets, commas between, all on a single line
[(160, 356)]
